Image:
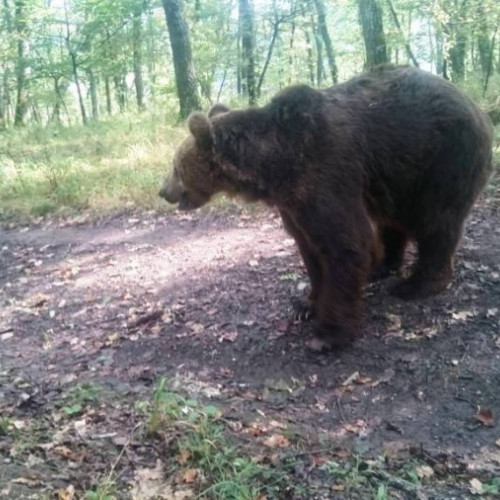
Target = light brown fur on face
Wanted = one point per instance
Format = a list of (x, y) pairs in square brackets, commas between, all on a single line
[(188, 184)]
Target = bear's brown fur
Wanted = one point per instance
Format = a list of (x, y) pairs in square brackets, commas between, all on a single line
[(396, 146)]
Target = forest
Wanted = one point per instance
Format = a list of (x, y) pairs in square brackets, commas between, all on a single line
[(94, 93), (151, 353), (64, 61)]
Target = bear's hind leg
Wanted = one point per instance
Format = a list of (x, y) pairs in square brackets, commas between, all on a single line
[(434, 269), (394, 244)]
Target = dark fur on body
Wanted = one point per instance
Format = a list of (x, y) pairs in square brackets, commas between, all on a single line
[(397, 146)]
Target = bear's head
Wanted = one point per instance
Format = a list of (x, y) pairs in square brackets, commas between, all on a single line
[(192, 182), (253, 153)]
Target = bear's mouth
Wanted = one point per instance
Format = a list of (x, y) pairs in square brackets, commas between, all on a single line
[(187, 203)]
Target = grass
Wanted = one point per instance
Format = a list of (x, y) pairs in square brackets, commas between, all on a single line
[(204, 456), (106, 166)]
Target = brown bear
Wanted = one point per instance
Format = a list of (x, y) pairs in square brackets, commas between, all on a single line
[(397, 147)]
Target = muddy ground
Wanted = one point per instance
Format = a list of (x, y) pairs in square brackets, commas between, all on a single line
[(205, 299)]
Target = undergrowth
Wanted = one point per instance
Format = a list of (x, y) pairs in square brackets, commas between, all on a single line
[(102, 167), (203, 455)]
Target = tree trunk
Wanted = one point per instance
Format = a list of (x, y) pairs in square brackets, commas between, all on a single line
[(74, 67), (107, 91), (21, 98), (247, 50), (94, 100), (456, 32), (440, 59), (268, 57), (319, 55), (490, 62), (310, 57), (370, 17), (322, 28), (291, 56), (3, 121), (121, 91), (483, 42), (56, 113), (409, 52), (137, 59), (181, 51)]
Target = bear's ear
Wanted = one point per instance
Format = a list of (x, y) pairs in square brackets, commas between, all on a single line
[(201, 128), (297, 106), (217, 109)]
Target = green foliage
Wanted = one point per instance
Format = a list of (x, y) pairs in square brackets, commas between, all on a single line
[(103, 167), (198, 435)]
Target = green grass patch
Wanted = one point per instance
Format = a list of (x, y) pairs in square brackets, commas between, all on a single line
[(106, 166), (199, 442)]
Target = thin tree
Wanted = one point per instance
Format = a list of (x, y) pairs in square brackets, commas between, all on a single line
[(247, 50), (137, 56), (21, 33), (74, 65), (325, 35), (409, 52), (370, 17), (183, 61)]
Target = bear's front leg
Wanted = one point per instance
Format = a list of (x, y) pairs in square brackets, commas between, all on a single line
[(304, 307), (343, 239)]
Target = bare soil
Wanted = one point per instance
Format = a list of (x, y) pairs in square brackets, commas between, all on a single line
[(205, 299)]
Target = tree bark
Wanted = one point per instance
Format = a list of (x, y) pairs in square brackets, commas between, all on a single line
[(269, 56), (94, 100), (370, 17), (247, 50), (21, 97), (107, 91), (409, 52), (137, 59), (483, 42), (310, 58), (183, 62), (322, 28), (121, 91)]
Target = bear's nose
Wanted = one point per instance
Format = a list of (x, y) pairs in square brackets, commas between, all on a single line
[(162, 193)]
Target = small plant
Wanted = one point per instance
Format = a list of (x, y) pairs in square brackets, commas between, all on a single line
[(492, 487), (200, 443), (6, 426), (104, 491), (77, 398)]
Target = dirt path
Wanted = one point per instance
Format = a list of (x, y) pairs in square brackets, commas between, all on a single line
[(205, 299)]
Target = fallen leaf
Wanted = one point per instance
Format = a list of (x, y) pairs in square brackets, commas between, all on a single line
[(361, 380), (485, 416), (184, 457), (462, 315), (394, 325), (190, 475), (277, 441), (229, 336), (28, 481), (491, 312), (65, 452), (277, 425), (196, 328), (476, 486), (349, 380), (66, 494), (424, 471), (113, 338)]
